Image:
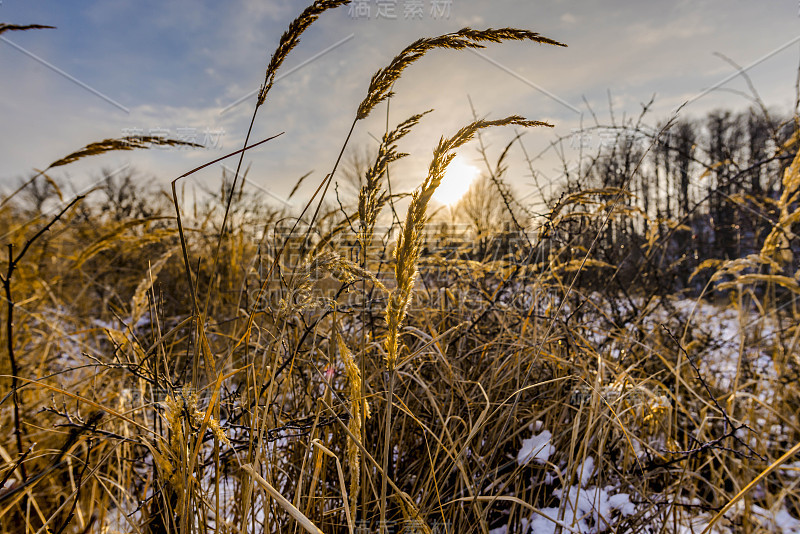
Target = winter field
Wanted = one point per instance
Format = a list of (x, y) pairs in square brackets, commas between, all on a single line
[(606, 358)]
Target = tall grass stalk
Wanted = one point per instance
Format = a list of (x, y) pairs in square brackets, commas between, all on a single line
[(406, 255)]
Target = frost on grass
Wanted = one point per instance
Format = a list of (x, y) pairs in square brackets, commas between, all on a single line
[(537, 448)]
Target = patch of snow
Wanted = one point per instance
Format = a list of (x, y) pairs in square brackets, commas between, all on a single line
[(787, 523), (791, 470), (781, 522), (106, 324), (590, 510), (622, 502), (540, 524), (536, 448), (586, 470)]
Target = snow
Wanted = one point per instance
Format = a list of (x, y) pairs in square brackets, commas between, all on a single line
[(540, 524), (781, 521), (622, 502), (786, 523), (791, 470), (584, 510), (537, 448), (586, 470), (590, 510)]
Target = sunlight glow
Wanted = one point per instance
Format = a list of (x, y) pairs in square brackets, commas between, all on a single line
[(459, 176)]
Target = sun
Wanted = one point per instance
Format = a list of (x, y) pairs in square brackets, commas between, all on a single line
[(459, 176)]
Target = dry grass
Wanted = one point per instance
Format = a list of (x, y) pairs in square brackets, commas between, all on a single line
[(5, 27), (233, 375), (381, 84), (291, 37)]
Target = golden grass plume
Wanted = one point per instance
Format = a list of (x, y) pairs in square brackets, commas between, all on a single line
[(409, 242), (299, 290), (291, 37), (382, 81), (371, 196), (358, 407), (131, 142)]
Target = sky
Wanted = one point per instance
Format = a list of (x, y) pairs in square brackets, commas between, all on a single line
[(191, 70)]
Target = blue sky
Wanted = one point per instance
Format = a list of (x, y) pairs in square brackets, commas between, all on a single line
[(176, 66)]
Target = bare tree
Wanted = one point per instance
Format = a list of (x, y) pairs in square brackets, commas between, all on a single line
[(483, 209)]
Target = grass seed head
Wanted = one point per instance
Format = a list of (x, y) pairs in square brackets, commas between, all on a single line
[(290, 38), (382, 81)]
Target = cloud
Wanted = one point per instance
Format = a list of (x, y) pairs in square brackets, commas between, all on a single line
[(650, 35), (568, 19), (178, 64)]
